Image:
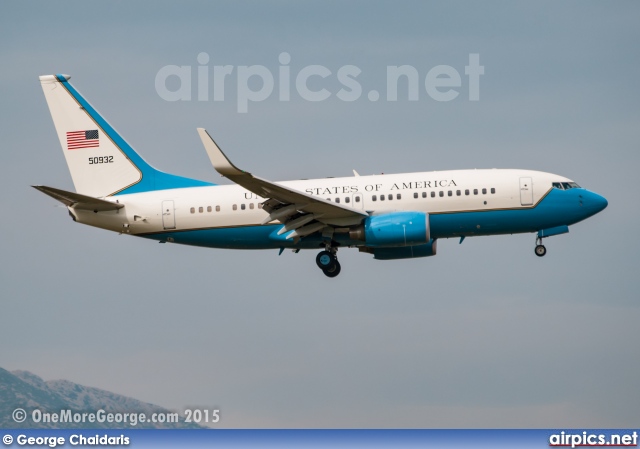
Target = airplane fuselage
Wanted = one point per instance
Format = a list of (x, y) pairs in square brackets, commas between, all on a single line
[(459, 203)]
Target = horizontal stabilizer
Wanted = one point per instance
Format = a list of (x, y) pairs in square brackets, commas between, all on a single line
[(78, 201)]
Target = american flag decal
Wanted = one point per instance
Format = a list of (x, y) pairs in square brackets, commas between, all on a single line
[(82, 139)]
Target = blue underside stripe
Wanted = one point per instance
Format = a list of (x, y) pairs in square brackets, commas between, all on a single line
[(246, 237), (152, 179), (558, 208)]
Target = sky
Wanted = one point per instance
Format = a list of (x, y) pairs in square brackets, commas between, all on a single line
[(485, 334)]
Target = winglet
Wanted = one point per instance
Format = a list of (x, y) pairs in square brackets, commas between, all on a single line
[(218, 159)]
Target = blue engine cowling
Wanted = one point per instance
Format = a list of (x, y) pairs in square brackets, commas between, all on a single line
[(406, 252), (396, 229)]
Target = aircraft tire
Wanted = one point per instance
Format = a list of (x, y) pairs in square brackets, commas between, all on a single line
[(326, 260), (333, 271), (540, 250)]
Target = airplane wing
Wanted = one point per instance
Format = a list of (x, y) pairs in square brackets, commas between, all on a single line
[(283, 201), (78, 201)]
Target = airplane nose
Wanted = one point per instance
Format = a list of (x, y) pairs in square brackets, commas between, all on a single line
[(601, 202), (597, 202)]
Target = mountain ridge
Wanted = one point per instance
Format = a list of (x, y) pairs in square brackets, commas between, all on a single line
[(25, 390)]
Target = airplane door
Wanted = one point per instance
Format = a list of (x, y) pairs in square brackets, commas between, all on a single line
[(168, 216), (526, 191), (358, 201)]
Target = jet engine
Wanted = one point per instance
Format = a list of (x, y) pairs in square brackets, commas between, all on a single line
[(396, 229)]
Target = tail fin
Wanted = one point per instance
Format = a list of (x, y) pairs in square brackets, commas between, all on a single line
[(100, 161)]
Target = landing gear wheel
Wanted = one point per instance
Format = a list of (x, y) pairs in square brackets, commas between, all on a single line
[(333, 271), (540, 250), (326, 260)]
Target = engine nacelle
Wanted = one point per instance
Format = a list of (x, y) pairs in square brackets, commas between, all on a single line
[(405, 252), (396, 229)]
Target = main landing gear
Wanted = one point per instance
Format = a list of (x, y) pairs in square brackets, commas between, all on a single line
[(327, 261), (540, 249)]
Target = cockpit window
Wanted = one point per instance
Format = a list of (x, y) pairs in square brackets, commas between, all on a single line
[(565, 185)]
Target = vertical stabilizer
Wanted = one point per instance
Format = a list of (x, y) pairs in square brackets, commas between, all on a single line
[(100, 161)]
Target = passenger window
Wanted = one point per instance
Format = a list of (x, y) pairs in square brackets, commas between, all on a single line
[(458, 192), (358, 199), (200, 209), (337, 200), (424, 194), (217, 208), (484, 191), (433, 194), (399, 196), (493, 190), (242, 206), (450, 193), (441, 193), (466, 192), (475, 191), (415, 194), (259, 205), (347, 200), (381, 197), (374, 198), (193, 210), (250, 205), (390, 197), (235, 207), (208, 208)]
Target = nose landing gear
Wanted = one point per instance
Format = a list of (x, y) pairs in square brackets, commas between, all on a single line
[(540, 250), (327, 261)]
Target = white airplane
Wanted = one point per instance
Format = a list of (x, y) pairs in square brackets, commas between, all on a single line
[(396, 216)]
